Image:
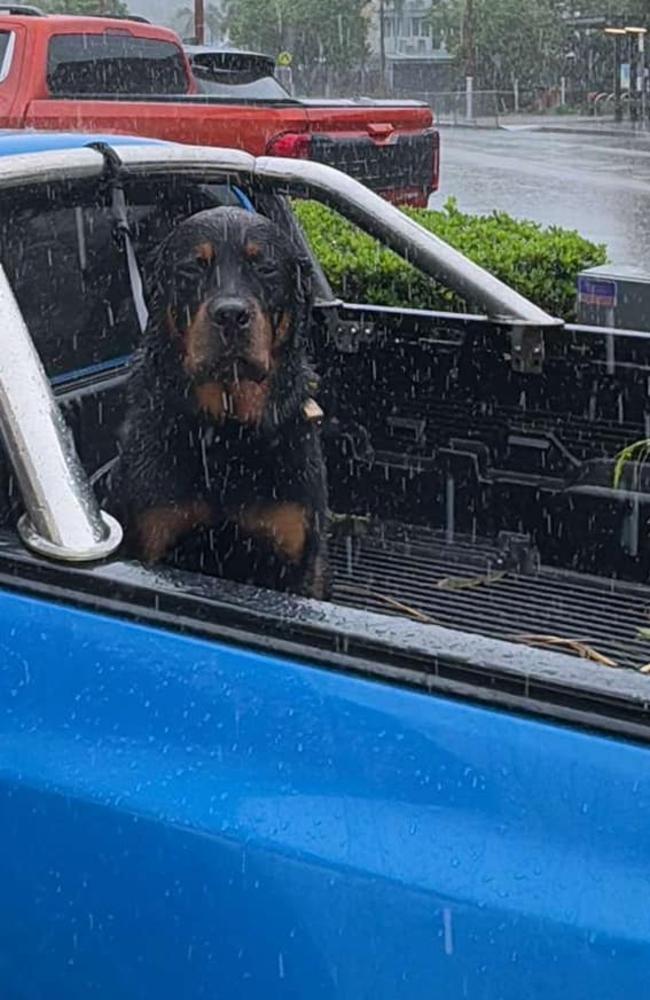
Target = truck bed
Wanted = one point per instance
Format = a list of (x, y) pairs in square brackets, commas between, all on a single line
[(493, 589)]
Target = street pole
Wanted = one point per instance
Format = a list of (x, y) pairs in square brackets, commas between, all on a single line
[(468, 38), (637, 72), (642, 68), (199, 21), (468, 44), (469, 98), (382, 43), (634, 81), (618, 34), (618, 97)]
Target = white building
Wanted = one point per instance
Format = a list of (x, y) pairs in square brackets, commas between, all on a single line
[(416, 61)]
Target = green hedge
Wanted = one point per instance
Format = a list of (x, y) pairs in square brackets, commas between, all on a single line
[(542, 264)]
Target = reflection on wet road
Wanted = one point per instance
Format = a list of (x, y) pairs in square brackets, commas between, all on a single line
[(599, 185)]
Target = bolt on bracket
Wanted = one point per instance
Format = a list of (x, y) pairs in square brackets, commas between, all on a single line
[(528, 349)]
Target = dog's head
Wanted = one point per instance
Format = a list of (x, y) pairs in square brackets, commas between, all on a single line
[(235, 294)]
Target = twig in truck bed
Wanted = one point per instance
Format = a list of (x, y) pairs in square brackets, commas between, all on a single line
[(405, 609), (471, 582), (581, 649)]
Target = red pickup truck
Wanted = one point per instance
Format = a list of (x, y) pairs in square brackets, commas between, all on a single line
[(125, 75)]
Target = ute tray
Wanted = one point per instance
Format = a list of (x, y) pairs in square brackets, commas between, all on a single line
[(494, 589)]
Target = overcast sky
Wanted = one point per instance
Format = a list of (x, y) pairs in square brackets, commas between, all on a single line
[(161, 11)]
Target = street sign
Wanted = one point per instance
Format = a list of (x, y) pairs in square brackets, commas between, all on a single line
[(588, 22), (285, 59), (597, 292)]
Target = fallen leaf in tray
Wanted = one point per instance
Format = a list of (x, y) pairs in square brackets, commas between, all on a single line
[(470, 582), (418, 616), (580, 649), (405, 609)]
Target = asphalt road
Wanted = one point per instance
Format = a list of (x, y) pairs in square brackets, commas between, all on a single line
[(599, 185)]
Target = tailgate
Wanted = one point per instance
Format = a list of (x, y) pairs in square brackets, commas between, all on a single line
[(391, 148), (406, 164)]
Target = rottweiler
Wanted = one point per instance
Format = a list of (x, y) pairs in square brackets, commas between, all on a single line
[(220, 464)]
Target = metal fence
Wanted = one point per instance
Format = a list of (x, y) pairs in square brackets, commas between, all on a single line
[(492, 106)]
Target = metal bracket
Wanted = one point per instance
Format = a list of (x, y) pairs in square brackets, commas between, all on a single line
[(518, 553), (349, 335), (528, 349)]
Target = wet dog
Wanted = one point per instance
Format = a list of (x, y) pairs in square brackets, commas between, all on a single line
[(220, 463)]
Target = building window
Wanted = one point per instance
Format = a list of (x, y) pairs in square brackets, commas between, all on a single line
[(420, 27)]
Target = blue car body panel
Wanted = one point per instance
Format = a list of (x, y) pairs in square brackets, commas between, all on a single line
[(185, 819), (14, 142)]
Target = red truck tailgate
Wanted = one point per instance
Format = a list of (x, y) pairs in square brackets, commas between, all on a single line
[(353, 116), (393, 145)]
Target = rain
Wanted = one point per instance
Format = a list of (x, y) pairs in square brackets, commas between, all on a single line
[(324, 498), (506, 466)]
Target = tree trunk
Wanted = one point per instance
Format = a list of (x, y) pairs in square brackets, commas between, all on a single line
[(199, 21)]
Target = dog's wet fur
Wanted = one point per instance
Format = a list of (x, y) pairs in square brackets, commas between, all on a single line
[(220, 467)]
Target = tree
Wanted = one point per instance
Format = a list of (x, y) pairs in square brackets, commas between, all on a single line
[(88, 7), (533, 41), (324, 36), (502, 40)]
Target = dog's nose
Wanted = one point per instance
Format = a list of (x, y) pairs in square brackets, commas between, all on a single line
[(232, 314)]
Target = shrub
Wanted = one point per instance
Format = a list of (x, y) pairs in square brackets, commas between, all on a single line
[(542, 264)]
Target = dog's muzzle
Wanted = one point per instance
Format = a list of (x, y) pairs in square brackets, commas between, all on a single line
[(230, 316), (230, 371)]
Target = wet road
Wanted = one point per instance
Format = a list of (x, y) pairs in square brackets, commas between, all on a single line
[(599, 185)]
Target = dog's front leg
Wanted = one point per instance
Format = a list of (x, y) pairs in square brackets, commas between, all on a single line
[(156, 531)]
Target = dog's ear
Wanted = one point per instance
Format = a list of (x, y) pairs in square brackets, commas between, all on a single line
[(156, 276)]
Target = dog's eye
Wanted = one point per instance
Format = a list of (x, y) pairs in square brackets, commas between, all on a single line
[(265, 268), (190, 272)]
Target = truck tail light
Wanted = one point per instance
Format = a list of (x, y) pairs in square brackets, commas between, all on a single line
[(294, 145)]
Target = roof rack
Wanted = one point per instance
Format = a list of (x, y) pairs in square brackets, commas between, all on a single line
[(26, 10), (23, 10), (125, 17)]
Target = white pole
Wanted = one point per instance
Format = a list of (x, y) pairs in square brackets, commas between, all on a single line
[(641, 74), (469, 97), (516, 90), (563, 91)]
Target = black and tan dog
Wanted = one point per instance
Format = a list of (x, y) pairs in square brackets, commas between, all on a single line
[(220, 460)]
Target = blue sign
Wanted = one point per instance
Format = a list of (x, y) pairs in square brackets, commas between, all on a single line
[(597, 292)]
